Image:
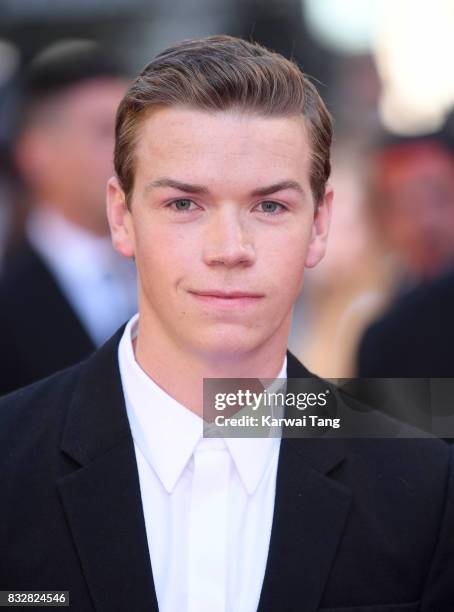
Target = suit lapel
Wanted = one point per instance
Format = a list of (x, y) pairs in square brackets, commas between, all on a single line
[(102, 502), (102, 499), (310, 514)]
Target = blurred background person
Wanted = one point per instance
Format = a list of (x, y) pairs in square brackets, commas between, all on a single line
[(413, 208), (411, 192), (352, 279), (63, 289), (415, 337), (392, 229)]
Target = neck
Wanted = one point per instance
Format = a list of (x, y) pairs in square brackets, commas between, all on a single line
[(180, 373)]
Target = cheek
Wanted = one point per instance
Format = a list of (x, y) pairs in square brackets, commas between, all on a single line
[(283, 260), (291, 277), (162, 255), (287, 250)]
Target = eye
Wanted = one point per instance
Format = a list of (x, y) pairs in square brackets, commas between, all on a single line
[(270, 207), (182, 205)]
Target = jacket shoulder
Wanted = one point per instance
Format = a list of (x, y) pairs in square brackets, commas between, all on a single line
[(36, 411)]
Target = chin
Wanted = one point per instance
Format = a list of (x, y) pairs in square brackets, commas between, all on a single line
[(227, 343)]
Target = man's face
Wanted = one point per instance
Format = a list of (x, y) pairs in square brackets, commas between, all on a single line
[(418, 216), (221, 226), (66, 154)]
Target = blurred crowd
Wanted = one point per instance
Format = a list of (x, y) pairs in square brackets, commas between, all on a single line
[(380, 302), (63, 288)]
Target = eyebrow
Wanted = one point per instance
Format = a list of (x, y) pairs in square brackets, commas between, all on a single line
[(264, 191), (169, 182), (188, 188)]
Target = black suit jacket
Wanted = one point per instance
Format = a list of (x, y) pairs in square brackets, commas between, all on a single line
[(40, 332), (415, 338), (359, 525)]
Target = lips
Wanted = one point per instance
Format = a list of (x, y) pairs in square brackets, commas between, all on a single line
[(224, 301), (228, 295)]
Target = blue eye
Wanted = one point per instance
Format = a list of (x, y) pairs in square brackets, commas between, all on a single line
[(271, 207), (182, 205)]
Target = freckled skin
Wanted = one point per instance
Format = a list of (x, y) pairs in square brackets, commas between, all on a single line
[(222, 239)]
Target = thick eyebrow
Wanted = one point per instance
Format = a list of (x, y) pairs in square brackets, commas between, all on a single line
[(188, 188), (265, 191), (169, 182)]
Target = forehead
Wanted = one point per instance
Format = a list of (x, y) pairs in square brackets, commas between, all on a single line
[(222, 143)]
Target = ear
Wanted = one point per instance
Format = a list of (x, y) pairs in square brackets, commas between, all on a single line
[(320, 228), (120, 218)]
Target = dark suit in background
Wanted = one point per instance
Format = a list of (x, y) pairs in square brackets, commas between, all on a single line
[(413, 342), (39, 330), (366, 525), (415, 338)]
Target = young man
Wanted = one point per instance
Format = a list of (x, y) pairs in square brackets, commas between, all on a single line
[(109, 489)]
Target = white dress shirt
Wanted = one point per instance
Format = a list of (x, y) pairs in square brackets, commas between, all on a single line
[(99, 283), (208, 502)]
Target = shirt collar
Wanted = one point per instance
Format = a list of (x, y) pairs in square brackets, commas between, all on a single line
[(167, 433)]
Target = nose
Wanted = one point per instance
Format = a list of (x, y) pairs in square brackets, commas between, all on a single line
[(227, 241)]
